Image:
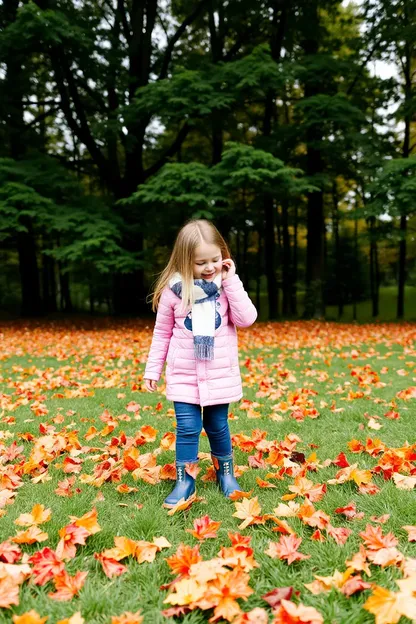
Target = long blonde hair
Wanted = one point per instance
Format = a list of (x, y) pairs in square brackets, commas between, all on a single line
[(181, 260)]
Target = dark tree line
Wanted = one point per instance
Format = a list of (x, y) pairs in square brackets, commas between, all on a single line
[(119, 119)]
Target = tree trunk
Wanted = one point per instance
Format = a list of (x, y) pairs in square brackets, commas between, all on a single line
[(314, 302), (48, 284), (29, 273), (402, 267), (259, 272), (270, 254), (65, 302), (374, 270), (286, 267), (354, 305), (337, 256), (293, 291)]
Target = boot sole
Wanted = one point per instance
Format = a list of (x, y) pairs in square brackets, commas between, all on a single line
[(171, 506)]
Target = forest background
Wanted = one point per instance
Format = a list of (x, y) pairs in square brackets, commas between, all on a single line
[(290, 123)]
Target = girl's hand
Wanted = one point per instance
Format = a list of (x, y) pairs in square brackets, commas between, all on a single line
[(151, 385), (228, 268)]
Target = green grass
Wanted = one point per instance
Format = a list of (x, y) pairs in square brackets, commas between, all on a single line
[(139, 587), (387, 307)]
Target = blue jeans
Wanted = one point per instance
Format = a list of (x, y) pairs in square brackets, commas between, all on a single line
[(189, 426)]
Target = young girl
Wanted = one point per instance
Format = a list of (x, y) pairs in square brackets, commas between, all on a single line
[(199, 300)]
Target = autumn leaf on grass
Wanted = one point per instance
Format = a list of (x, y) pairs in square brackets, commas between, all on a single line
[(30, 617), (222, 594), (88, 521), (46, 565), (350, 511), (185, 592), (410, 529), (67, 586), (124, 547), (111, 567), (340, 534), (388, 607), (9, 553), (249, 511), (127, 618), (345, 582), (282, 525), (380, 519), (181, 505), (359, 561), (290, 613), (184, 557), (307, 488), (125, 489), (404, 483), (72, 464), (287, 511), (375, 540), (38, 515), (286, 549), (204, 528), (70, 536), (65, 487), (167, 442), (275, 596), (351, 473), (30, 536), (258, 615), (237, 494), (264, 484), (9, 592)]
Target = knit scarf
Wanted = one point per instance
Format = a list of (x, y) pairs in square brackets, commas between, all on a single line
[(203, 313)]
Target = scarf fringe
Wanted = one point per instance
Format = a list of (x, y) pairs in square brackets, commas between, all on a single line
[(204, 347)]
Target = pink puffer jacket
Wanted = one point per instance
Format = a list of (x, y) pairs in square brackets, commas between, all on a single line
[(203, 382)]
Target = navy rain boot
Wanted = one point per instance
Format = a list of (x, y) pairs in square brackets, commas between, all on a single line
[(225, 474), (184, 488)]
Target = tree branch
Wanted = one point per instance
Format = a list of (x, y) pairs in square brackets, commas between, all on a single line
[(181, 136), (42, 116), (169, 49)]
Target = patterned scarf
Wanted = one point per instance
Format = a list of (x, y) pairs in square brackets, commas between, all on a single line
[(203, 313)]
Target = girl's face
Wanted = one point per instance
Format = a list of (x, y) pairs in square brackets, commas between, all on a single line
[(207, 261)]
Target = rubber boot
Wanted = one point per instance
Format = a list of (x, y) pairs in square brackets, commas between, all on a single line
[(184, 488), (225, 474)]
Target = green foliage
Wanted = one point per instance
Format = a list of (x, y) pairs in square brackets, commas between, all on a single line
[(394, 189)]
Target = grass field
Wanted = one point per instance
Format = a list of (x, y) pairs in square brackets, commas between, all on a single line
[(72, 407), (387, 305)]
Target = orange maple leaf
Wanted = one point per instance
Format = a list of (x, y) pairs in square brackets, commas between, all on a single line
[(46, 565), (182, 560), (30, 617), (70, 536), (111, 567), (249, 511), (411, 530), (30, 536), (88, 521), (374, 539), (286, 549), (289, 613), (38, 515), (67, 586), (204, 528)]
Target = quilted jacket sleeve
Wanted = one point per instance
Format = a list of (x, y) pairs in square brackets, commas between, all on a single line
[(162, 333), (242, 312)]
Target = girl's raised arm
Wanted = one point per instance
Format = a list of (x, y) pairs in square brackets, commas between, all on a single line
[(162, 333), (241, 309)]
